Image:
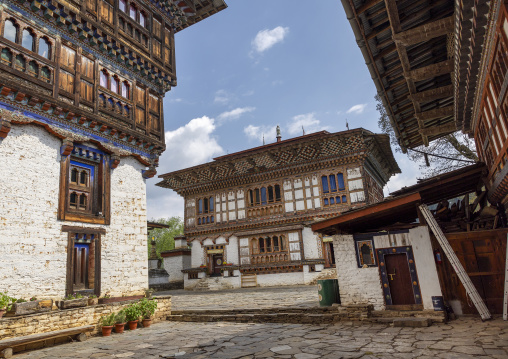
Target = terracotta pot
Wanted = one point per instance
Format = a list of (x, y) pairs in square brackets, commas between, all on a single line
[(106, 330), (93, 301), (133, 324), (147, 323), (119, 327), (2, 311)]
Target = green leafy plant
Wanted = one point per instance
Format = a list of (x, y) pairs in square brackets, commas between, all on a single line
[(107, 320), (6, 301), (120, 317), (73, 296), (106, 296), (93, 296), (21, 300), (132, 312), (33, 299), (147, 307)]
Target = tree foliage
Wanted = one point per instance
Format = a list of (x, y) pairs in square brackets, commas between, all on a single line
[(164, 237), (458, 148)]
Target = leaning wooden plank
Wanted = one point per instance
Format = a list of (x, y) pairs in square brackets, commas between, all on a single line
[(457, 266), (28, 339)]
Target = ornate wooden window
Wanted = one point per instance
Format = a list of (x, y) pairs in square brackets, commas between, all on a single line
[(132, 11), (331, 185), (115, 84), (104, 78), (27, 40), (6, 57), (87, 67), (10, 30), (140, 116), (154, 103), (46, 74), (142, 18), (84, 186), (365, 251), (125, 89), (33, 68), (156, 48), (205, 210), (20, 63), (122, 5), (269, 249), (44, 48), (264, 195)]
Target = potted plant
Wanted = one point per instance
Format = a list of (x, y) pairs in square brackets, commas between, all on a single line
[(107, 322), (93, 300), (147, 308), (132, 314), (5, 303), (120, 321)]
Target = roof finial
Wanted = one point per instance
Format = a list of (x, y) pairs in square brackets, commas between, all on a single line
[(278, 134), (347, 125), (303, 130), (263, 139)]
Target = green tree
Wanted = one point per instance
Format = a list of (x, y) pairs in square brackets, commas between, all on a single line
[(164, 237), (455, 150)]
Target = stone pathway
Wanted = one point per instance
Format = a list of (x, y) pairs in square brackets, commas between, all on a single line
[(251, 298), (462, 339)]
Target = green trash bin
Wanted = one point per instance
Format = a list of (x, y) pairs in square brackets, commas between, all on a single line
[(328, 292)]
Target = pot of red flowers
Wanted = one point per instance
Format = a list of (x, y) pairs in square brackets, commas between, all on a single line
[(120, 322), (147, 308), (107, 322), (132, 314)]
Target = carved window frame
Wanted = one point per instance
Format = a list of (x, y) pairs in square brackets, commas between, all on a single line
[(361, 241), (98, 204)]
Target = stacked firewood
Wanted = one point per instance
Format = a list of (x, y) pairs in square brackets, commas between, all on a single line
[(462, 215)]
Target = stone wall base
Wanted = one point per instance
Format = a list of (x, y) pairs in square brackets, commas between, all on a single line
[(64, 319)]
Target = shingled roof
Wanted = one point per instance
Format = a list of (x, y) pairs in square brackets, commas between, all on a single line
[(276, 159)]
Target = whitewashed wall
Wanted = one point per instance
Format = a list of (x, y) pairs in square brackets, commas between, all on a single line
[(174, 266), (232, 250), (196, 254), (277, 279), (363, 285), (310, 244), (34, 250), (356, 285)]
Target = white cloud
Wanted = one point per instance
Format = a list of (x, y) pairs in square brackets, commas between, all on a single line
[(175, 100), (309, 122), (410, 172), (256, 133), (357, 109), (265, 39), (222, 97), (234, 114), (187, 146)]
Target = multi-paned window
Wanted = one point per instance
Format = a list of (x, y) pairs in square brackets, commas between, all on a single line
[(205, 210), (268, 244), (264, 195), (84, 195), (331, 186)]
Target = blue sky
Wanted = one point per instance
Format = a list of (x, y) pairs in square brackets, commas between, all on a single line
[(256, 65)]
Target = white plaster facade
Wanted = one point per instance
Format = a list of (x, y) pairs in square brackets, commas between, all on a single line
[(34, 248), (363, 285)]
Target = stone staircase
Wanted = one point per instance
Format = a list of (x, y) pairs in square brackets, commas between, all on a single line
[(314, 315), (211, 284)]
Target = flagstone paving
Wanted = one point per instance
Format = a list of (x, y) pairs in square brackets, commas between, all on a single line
[(462, 339)]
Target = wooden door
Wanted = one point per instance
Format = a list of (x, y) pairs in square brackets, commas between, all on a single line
[(399, 279), (483, 255), (329, 255), (80, 267), (216, 264)]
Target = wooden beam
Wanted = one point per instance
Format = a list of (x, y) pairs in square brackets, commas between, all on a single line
[(437, 130), (437, 113), (375, 209), (433, 94), (368, 4), (440, 68), (425, 32)]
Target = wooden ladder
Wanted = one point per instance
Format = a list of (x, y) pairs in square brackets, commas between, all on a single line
[(249, 280)]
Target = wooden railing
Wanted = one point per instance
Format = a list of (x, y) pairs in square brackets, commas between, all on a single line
[(269, 258), (267, 210)]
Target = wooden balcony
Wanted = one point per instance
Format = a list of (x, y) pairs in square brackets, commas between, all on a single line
[(268, 210), (275, 257)]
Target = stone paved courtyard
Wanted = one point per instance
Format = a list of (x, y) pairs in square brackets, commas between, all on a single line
[(463, 338)]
